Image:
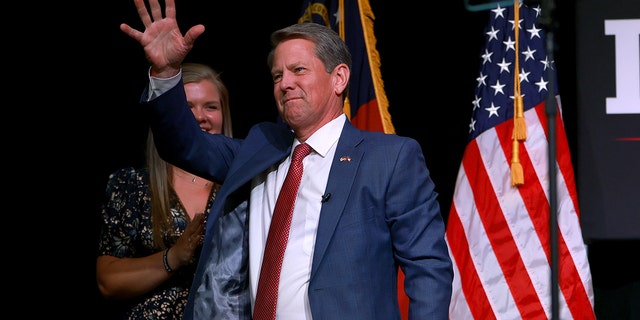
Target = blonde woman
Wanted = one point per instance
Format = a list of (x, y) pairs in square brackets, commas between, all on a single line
[(152, 220)]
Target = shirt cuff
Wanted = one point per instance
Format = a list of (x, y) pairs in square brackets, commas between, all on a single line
[(158, 86)]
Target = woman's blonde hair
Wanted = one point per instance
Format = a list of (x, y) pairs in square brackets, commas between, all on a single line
[(160, 172)]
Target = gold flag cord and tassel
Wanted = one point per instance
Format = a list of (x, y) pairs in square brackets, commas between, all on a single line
[(519, 125)]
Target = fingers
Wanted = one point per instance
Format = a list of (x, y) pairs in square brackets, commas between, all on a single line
[(196, 227), (142, 12), (198, 220), (164, 50), (192, 34), (200, 230), (131, 32), (144, 17), (170, 9), (195, 240), (191, 238), (156, 10)]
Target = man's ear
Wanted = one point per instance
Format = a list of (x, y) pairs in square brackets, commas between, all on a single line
[(341, 78)]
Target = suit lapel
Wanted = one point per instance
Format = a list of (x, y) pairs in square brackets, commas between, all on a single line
[(341, 177), (262, 148)]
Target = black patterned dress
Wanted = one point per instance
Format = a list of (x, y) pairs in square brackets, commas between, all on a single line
[(126, 232)]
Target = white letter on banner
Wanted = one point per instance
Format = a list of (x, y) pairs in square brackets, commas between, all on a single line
[(627, 44)]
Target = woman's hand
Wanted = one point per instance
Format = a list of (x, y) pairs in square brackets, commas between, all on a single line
[(182, 252)]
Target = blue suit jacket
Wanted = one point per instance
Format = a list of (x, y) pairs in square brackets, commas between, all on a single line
[(382, 214)]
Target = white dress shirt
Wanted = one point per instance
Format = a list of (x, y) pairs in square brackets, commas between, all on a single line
[(293, 302)]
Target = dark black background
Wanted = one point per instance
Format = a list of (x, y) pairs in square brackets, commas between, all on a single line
[(430, 56)]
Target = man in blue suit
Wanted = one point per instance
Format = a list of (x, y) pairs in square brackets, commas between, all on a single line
[(366, 204)]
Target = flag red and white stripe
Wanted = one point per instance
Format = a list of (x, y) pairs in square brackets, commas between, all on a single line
[(499, 234)]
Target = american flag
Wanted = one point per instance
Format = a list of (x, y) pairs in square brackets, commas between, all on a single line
[(498, 231)]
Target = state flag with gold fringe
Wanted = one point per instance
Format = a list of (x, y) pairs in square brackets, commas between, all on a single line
[(367, 105)]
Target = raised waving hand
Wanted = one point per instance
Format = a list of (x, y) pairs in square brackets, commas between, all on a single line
[(164, 45)]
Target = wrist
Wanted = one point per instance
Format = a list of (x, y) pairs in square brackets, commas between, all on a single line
[(164, 73)]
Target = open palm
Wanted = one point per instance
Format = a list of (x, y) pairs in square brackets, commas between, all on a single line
[(164, 45)]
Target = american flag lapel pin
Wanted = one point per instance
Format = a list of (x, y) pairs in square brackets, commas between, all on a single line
[(345, 158)]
